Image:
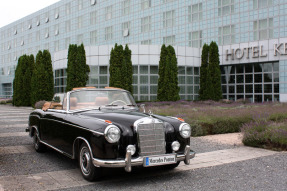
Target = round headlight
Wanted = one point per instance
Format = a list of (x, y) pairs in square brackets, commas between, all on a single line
[(112, 134), (132, 149), (175, 145), (185, 130)]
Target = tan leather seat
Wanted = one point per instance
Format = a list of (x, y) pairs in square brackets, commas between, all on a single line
[(101, 101), (73, 103)]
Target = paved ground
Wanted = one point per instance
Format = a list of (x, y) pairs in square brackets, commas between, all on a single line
[(221, 163)]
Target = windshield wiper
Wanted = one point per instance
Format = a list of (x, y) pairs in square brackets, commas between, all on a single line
[(110, 105), (131, 105)]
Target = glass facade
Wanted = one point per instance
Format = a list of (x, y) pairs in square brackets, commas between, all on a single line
[(256, 82), (181, 23)]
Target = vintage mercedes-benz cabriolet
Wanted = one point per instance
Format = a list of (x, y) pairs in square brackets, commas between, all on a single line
[(105, 128)]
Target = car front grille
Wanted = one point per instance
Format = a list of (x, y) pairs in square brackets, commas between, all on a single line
[(151, 139)]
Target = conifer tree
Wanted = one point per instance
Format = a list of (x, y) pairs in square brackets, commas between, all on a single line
[(129, 69), (42, 82), (215, 73), (117, 75), (204, 73), (173, 94), (47, 61), (168, 89), (77, 70), (71, 67), (161, 94), (22, 81)]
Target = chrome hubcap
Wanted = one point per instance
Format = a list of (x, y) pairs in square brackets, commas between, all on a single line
[(85, 161)]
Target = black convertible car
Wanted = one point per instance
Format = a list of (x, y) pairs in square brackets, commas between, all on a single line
[(105, 128)]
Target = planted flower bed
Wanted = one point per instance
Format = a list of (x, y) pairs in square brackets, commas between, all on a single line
[(215, 118)]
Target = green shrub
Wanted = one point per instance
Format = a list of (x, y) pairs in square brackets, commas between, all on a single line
[(197, 129), (229, 124), (265, 134), (278, 117)]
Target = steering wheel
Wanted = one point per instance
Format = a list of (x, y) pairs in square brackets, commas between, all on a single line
[(118, 101)]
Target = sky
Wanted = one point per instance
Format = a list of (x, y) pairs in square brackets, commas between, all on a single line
[(13, 10)]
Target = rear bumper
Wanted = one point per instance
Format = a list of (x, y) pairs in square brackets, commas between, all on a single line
[(128, 162)]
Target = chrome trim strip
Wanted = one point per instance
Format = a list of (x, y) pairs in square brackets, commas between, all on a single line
[(56, 149), (57, 110)]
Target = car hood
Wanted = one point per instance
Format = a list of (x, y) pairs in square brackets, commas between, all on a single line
[(122, 118)]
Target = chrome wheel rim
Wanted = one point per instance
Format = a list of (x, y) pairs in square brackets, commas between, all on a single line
[(85, 161)]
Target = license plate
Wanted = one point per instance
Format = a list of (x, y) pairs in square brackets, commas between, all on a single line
[(159, 160)]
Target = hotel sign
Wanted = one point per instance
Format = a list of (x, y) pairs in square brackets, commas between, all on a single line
[(255, 52)]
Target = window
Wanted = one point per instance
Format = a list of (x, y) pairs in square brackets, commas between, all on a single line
[(15, 42), (167, 1), (47, 17), (168, 19), (195, 39), (29, 25), (80, 39), (263, 29), (56, 12), (145, 4), (225, 7), (146, 42), (146, 24), (126, 28), (109, 11), (68, 26), (30, 36), (126, 7), (80, 4), (226, 35), (93, 17), (38, 21), (56, 46), (93, 37), (80, 22), (46, 32), (56, 29), (60, 80), (68, 8), (257, 4), (109, 33), (169, 40), (195, 12), (37, 35), (67, 42)]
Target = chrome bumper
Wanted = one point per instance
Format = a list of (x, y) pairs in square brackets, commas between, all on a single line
[(128, 162)]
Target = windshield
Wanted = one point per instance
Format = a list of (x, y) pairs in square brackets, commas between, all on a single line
[(85, 99)]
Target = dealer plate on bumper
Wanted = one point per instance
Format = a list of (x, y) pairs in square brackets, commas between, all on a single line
[(159, 160)]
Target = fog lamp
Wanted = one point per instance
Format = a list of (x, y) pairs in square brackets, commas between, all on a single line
[(132, 149), (175, 145)]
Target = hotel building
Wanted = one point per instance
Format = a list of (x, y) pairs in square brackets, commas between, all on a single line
[(251, 34)]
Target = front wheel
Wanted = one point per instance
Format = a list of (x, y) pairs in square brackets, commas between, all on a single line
[(39, 147), (88, 170)]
